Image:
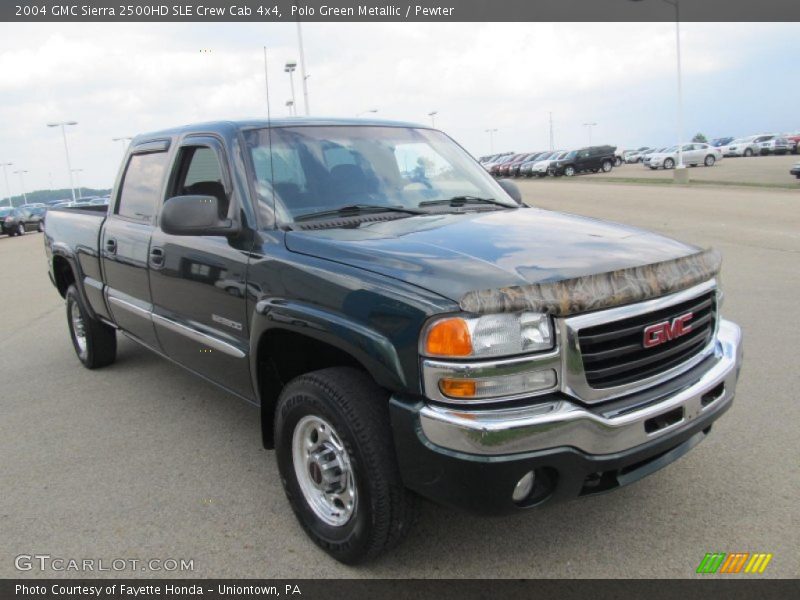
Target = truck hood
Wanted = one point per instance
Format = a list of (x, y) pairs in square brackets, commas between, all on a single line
[(452, 254)]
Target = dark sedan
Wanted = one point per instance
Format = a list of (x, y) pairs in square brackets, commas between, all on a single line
[(16, 221)]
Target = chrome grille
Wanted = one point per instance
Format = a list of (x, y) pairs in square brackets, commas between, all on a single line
[(613, 354)]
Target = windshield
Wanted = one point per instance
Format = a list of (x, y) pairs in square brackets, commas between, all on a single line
[(324, 168), (571, 154)]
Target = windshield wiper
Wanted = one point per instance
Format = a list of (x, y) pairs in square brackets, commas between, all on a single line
[(357, 209), (457, 201)]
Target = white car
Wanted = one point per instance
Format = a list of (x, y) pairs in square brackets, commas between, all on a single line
[(775, 144), (540, 168), (746, 146), (694, 154)]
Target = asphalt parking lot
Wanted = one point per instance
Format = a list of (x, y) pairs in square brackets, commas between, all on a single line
[(144, 460)]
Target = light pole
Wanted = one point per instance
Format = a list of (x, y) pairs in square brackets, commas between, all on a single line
[(303, 75), (63, 125), (680, 174), (289, 68), (432, 115), (363, 112), (124, 139), (5, 174), (290, 106), (491, 133), (78, 179), (21, 174), (589, 127)]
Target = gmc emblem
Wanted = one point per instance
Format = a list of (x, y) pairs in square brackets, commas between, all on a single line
[(660, 333)]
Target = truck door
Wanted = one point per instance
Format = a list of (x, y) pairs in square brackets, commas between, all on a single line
[(199, 283), (125, 240)]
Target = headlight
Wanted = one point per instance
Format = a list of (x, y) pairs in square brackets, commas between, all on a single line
[(504, 334)]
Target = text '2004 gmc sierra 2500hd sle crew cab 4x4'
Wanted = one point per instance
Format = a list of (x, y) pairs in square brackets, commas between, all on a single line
[(407, 326)]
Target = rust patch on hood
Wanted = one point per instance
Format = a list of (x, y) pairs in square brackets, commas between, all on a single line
[(603, 290)]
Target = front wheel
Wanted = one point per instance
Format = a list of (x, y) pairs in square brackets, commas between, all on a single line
[(748, 152), (710, 160), (337, 462), (95, 343), (617, 161), (607, 166), (20, 229), (40, 227), (669, 163), (569, 171)]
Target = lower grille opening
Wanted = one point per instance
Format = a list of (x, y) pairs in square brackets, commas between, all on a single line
[(712, 395), (663, 421)]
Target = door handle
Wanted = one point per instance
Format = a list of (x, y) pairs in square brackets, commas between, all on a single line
[(111, 246), (156, 257)]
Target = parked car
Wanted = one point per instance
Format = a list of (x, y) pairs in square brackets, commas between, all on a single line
[(775, 145), (516, 165), (390, 355), (539, 168), (722, 141), (694, 154), (17, 221), (746, 146), (526, 168), (795, 170), (494, 169), (503, 170), (794, 141), (650, 153), (637, 156), (592, 158)]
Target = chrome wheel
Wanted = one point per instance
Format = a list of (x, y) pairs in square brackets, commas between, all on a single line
[(20, 229), (78, 327), (323, 470)]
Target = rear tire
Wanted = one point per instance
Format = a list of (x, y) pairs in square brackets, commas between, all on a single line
[(336, 422), (40, 227), (20, 229), (569, 171), (617, 161), (95, 343), (607, 166)]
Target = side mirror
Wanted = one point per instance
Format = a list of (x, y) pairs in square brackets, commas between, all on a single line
[(195, 215), (511, 189)]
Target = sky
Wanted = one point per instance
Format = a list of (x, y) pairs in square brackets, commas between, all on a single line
[(120, 79)]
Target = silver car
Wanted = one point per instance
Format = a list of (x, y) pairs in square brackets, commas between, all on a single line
[(693, 154)]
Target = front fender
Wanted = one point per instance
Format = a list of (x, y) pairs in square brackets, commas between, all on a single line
[(372, 349)]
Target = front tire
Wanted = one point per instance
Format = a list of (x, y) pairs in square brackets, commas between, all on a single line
[(569, 171), (20, 229), (607, 166), (710, 160), (40, 227), (337, 462), (669, 163), (617, 161), (95, 343), (748, 152)]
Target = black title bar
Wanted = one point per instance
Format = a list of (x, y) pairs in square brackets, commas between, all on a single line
[(415, 11)]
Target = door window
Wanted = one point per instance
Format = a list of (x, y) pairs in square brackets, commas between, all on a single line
[(200, 174), (141, 185)]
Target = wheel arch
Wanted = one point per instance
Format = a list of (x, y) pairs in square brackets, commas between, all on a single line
[(291, 338)]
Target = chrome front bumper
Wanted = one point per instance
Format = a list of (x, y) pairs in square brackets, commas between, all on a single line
[(560, 423)]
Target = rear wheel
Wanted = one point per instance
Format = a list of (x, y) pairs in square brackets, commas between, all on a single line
[(710, 160), (40, 226), (617, 161), (20, 229), (337, 462), (569, 171), (95, 343), (607, 166)]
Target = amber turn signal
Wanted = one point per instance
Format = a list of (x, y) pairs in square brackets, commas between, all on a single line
[(449, 337), (458, 388)]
